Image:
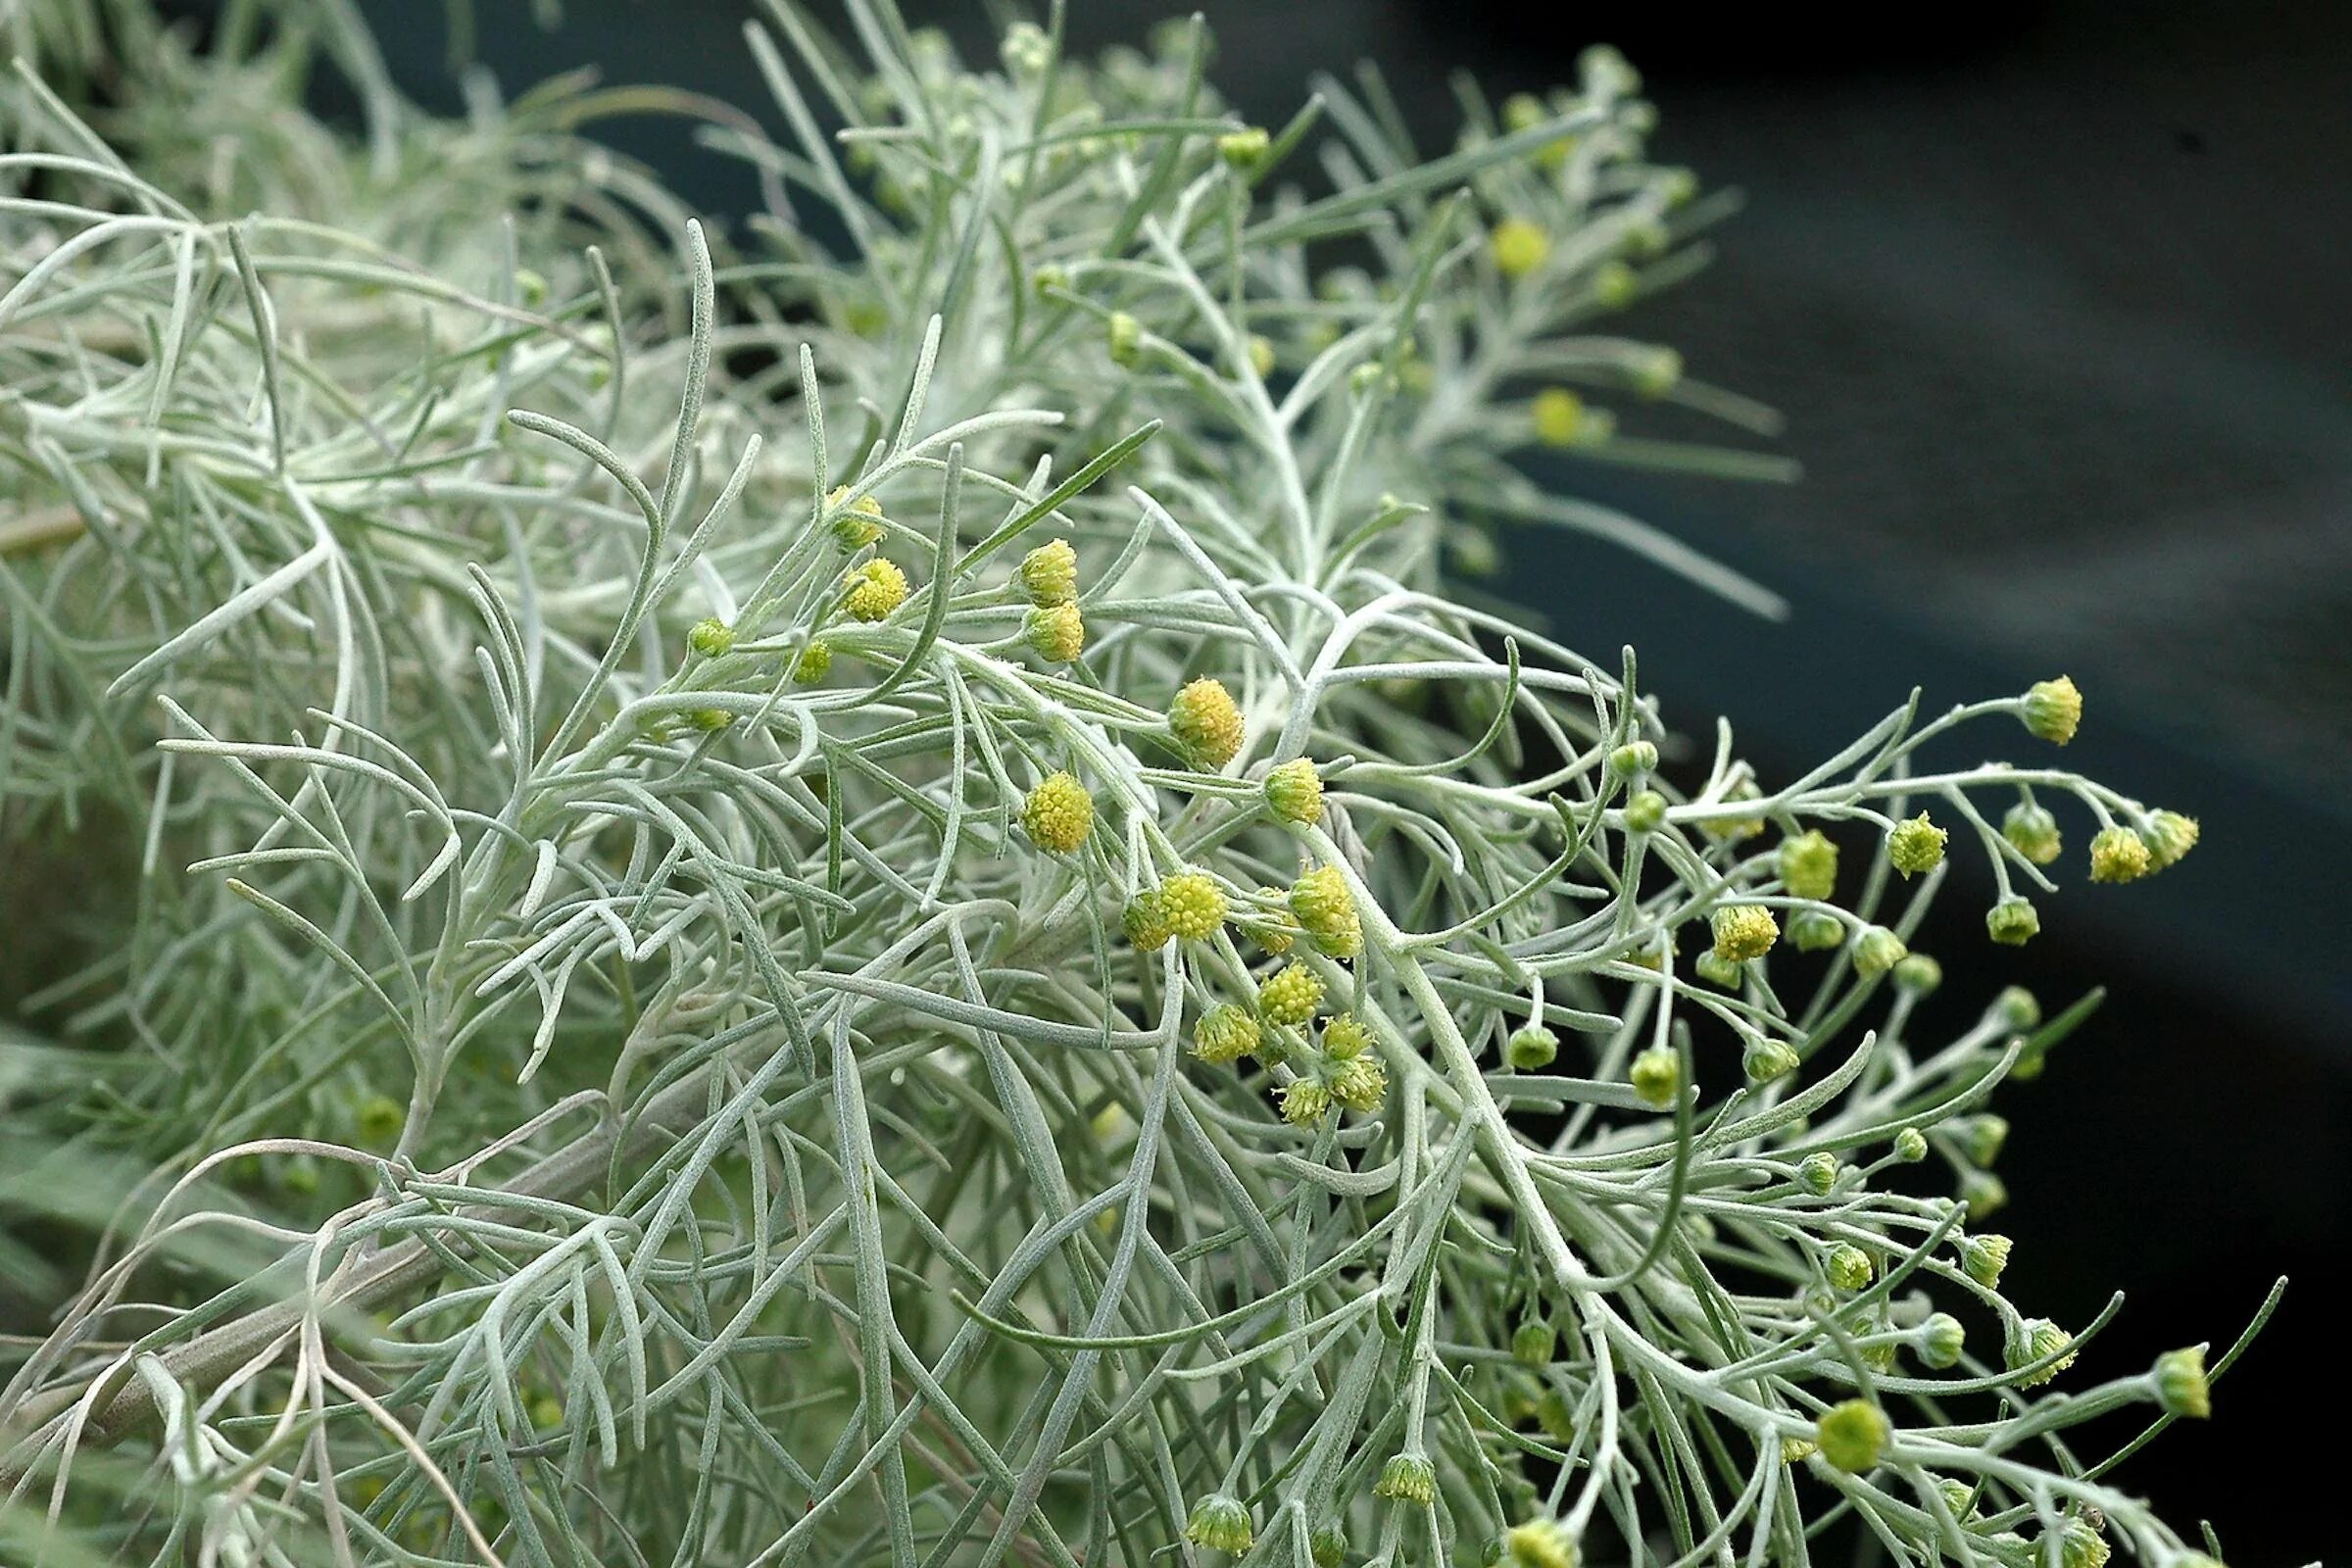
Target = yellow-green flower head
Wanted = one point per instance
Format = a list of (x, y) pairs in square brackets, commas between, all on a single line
[(1915, 846), (1941, 1338), (1615, 284), (1294, 792), (710, 721), (1058, 632), (1657, 372), (1026, 50), (1247, 148), (1644, 812), (2018, 1007), (1817, 1172), (1534, 1343), (1193, 905), (2169, 836), (1717, 970), (1123, 337), (1524, 111), (1271, 931), (1206, 723), (1226, 1032), (1539, 1543), (1656, 1076), (1744, 931), (1853, 1436), (1059, 814), (1910, 1145), (2119, 854), (1326, 912), (1290, 995), (1767, 1060), (1049, 573), (711, 637), (1345, 1037), (1559, 416), (1848, 1267), (1986, 1135), (1407, 1477), (860, 524), (1634, 758), (380, 1120), (2052, 710), (1808, 865), (1518, 246), (815, 660), (2013, 922), (1146, 921), (1360, 1083), (1984, 1257), (2080, 1545), (1876, 950), (1984, 1192), (1815, 931), (875, 588), (1260, 350), (1221, 1524), (2033, 831), (1304, 1100), (1327, 1548), (1531, 1048), (1918, 974), (2036, 1341), (2180, 1386)]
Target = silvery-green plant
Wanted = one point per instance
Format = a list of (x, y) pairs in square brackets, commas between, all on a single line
[(880, 910)]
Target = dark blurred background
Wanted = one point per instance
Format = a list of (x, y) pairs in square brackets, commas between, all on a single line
[(2055, 299)]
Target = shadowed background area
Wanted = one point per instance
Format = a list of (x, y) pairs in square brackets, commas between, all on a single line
[(2054, 305)]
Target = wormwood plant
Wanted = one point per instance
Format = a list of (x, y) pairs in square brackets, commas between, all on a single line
[(878, 911)]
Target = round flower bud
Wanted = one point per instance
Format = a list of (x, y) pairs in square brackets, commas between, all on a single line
[(1345, 1037), (1817, 1172), (1123, 338), (1982, 1257), (1915, 846), (2013, 922), (2032, 831), (2037, 1340), (1260, 350), (1808, 865), (1918, 974), (1959, 1498), (815, 660), (1407, 1477), (1717, 970), (1657, 372), (1219, 1523), (378, 1122), (1534, 1343), (1294, 792), (1878, 949), (1360, 1083), (2180, 1386), (1941, 1338), (875, 588), (2052, 710), (1853, 1436), (1848, 1267), (1193, 905), (1059, 814), (1049, 573), (1327, 1548), (711, 637), (1985, 1135), (1146, 921), (1225, 1033), (1058, 632), (1290, 995), (2080, 1545), (1326, 912), (1244, 148), (1644, 812), (710, 721), (2118, 854), (1767, 1060), (2169, 836), (1539, 1543), (1615, 284), (1634, 758), (1910, 1145), (1304, 1100), (1558, 416), (1272, 932), (1531, 1048), (1518, 247), (1026, 50), (1744, 931), (860, 524), (1984, 1192), (1656, 1075), (1815, 931), (1206, 723), (1050, 277), (2018, 1009)]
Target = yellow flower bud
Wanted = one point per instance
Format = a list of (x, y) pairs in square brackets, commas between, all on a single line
[(2119, 854), (1049, 573), (2036, 1341), (1915, 846), (1146, 921), (1853, 1436), (1226, 1032), (1304, 1100), (1290, 995), (1206, 723), (2169, 836), (1559, 416), (1360, 1083), (2052, 710), (1808, 865), (1518, 246), (2032, 831), (1244, 148), (711, 637), (1744, 931), (858, 526), (1058, 632), (875, 588), (1294, 792), (1059, 814), (1193, 905), (1326, 912), (1123, 336)]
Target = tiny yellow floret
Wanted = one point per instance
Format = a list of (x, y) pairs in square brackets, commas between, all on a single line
[(1193, 905), (1206, 723), (1326, 912), (1049, 573), (1744, 931), (2119, 854), (1059, 814), (1058, 632), (1290, 995), (2052, 710), (1294, 792)]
